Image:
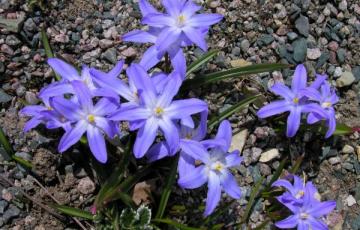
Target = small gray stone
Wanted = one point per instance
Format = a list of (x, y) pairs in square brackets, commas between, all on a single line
[(110, 55), (343, 5), (323, 59), (75, 37), (265, 39), (348, 166), (346, 79), (2, 67), (334, 160), (11, 212), (236, 51), (4, 97), (245, 45), (269, 155), (86, 186), (341, 54), (12, 40), (31, 98), (300, 49), (255, 154), (348, 149), (29, 25), (20, 91), (3, 206), (105, 43), (313, 54), (338, 72), (302, 25), (355, 71), (265, 170), (292, 36)]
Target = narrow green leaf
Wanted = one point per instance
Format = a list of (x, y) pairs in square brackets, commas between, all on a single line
[(167, 190), (251, 202), (75, 212), (233, 109), (48, 50), (6, 145), (297, 164), (201, 61), (111, 185), (175, 224), (231, 73), (26, 164), (342, 129)]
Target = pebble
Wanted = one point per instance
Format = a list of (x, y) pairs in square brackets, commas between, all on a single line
[(355, 71), (269, 155), (239, 63), (338, 72), (4, 97), (238, 140), (292, 36), (110, 55), (265, 39), (358, 152), (350, 201), (341, 55), (265, 170), (343, 5), (3, 206), (11, 212), (346, 79), (313, 54), (129, 52), (29, 25), (12, 40), (245, 45), (20, 91), (333, 46), (334, 160), (348, 149), (302, 25), (86, 186), (300, 49), (31, 98), (62, 38), (236, 51), (255, 154), (105, 43)]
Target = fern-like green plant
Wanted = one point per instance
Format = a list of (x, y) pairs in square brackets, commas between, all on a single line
[(137, 220)]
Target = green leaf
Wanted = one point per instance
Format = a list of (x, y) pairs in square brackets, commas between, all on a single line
[(233, 109), (167, 190), (342, 129), (175, 224), (75, 212), (251, 202), (48, 50), (297, 164), (6, 145), (127, 218), (144, 215), (201, 61), (26, 164), (231, 73)]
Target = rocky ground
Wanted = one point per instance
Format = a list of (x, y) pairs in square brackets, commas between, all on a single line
[(325, 35)]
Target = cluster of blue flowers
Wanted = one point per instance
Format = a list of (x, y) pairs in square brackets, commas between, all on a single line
[(304, 99), (303, 200), (95, 102)]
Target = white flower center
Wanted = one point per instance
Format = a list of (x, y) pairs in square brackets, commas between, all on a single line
[(326, 104), (158, 111), (217, 166), (300, 194), (91, 118), (304, 216), (181, 20)]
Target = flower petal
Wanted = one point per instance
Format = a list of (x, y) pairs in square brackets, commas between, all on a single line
[(65, 70), (145, 137), (318, 81), (186, 164), (157, 152), (151, 57), (194, 179), (146, 8), (32, 123), (178, 60), (233, 159), (72, 136), (322, 208), (139, 36), (196, 36), (173, 7), (201, 130), (158, 20), (171, 134), (317, 224), (195, 150), (55, 89), (299, 79), (97, 143), (200, 20), (293, 121), (104, 107), (331, 124), (170, 90), (225, 133), (67, 108), (166, 38), (282, 90), (214, 193), (132, 114), (230, 185), (184, 108), (83, 94), (106, 126), (290, 222), (274, 108)]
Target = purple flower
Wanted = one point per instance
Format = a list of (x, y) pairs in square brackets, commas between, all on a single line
[(295, 192), (157, 111), (86, 117), (215, 168), (68, 74), (308, 215), (179, 26), (44, 114), (189, 138), (295, 101), (327, 98)]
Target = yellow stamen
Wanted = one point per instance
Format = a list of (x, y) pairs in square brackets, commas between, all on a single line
[(159, 111), (218, 166), (304, 216), (181, 20), (49, 108), (188, 136), (326, 105), (300, 194), (91, 118), (296, 100)]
